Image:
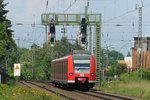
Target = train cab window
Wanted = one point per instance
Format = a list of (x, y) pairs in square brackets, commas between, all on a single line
[(82, 66)]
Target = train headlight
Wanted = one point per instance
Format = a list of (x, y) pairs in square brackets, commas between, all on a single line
[(71, 74)]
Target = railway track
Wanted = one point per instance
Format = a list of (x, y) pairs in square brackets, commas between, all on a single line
[(92, 94), (105, 96)]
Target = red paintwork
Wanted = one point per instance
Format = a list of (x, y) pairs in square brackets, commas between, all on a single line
[(92, 68), (59, 75), (70, 68)]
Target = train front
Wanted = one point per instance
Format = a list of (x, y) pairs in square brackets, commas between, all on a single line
[(84, 70)]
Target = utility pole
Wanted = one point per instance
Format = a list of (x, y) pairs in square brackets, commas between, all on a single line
[(46, 40), (33, 52), (86, 8), (90, 39), (63, 31), (140, 41), (86, 17), (46, 33), (18, 51), (97, 53)]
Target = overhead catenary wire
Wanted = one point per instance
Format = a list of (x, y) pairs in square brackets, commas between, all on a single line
[(128, 12), (116, 17), (70, 6)]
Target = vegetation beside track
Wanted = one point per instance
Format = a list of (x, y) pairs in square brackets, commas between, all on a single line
[(21, 93), (130, 84)]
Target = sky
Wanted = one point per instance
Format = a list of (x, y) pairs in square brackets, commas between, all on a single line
[(119, 20)]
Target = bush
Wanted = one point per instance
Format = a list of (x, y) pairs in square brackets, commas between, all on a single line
[(135, 76), (129, 77), (145, 74), (116, 69), (11, 81)]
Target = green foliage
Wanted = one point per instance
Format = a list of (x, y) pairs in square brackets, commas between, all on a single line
[(116, 55), (130, 84), (145, 74), (11, 81), (25, 58), (135, 76), (26, 73), (2, 41), (109, 58), (3, 12), (39, 59), (120, 68), (40, 74), (21, 93), (129, 77), (7, 44), (62, 48), (116, 69)]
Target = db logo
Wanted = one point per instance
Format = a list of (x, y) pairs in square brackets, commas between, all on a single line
[(82, 75)]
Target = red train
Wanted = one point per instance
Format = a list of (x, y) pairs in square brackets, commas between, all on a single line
[(76, 70)]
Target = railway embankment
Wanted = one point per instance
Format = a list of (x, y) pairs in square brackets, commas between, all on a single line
[(129, 84)]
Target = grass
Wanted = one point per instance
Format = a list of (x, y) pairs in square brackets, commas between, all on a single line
[(21, 93), (129, 85)]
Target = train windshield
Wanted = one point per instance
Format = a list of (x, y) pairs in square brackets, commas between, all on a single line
[(82, 66)]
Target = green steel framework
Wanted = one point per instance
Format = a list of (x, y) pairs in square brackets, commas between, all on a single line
[(75, 19)]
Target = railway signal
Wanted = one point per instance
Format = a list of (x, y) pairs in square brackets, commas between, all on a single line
[(83, 30), (52, 31), (73, 19)]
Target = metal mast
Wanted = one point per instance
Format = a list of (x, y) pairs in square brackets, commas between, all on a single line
[(139, 47), (97, 53), (140, 39), (140, 23), (86, 16), (90, 39)]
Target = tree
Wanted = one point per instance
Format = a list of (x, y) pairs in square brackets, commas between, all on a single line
[(109, 62), (62, 48), (110, 57), (39, 58), (3, 18), (2, 41), (116, 55), (3, 12), (119, 68), (7, 44)]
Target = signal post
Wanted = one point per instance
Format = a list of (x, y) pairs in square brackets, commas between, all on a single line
[(83, 20)]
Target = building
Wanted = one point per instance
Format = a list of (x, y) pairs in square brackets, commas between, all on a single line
[(141, 53), (128, 61)]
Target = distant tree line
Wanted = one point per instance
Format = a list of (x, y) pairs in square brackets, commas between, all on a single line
[(36, 61)]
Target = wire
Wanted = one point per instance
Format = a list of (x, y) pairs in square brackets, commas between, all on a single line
[(70, 6), (124, 14), (146, 5), (119, 16)]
